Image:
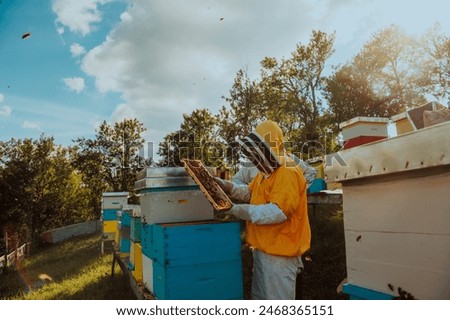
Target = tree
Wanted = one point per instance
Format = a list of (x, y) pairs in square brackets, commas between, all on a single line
[(388, 64), (111, 160), (39, 188), (196, 139), (289, 92), (293, 88), (244, 112), (434, 76), (350, 94)]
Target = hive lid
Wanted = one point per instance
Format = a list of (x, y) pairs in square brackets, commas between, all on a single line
[(205, 180), (164, 182), (159, 172), (115, 194), (374, 120), (424, 148)]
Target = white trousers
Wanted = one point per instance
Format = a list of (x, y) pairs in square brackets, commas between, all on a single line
[(274, 276)]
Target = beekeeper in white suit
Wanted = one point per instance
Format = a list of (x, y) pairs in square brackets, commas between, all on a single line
[(275, 209)]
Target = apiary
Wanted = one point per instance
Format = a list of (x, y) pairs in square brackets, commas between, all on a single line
[(170, 195), (396, 215)]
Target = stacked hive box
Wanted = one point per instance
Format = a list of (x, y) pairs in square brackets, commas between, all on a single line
[(185, 253), (111, 204), (362, 130), (413, 119), (396, 215), (125, 218), (135, 263)]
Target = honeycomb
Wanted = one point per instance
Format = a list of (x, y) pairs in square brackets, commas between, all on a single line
[(207, 184)]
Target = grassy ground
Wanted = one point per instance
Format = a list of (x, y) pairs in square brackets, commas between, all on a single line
[(76, 270)]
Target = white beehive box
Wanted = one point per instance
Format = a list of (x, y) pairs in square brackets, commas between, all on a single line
[(397, 212), (169, 194), (364, 126), (147, 272), (114, 200), (175, 206)]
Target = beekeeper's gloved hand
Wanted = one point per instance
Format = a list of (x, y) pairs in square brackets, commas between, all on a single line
[(226, 185), (258, 213), (235, 191)]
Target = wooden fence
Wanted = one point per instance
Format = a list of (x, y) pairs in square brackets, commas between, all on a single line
[(9, 260)]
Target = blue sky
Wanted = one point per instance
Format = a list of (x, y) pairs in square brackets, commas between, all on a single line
[(92, 60)]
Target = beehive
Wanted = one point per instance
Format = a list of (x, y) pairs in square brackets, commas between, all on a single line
[(114, 200), (170, 195), (396, 213), (362, 130), (197, 261)]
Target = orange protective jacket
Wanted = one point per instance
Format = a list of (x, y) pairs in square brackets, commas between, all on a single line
[(286, 187)]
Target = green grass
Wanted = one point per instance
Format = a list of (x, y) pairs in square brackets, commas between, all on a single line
[(79, 271), (74, 270)]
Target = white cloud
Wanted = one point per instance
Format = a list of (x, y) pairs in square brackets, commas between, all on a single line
[(75, 84), (171, 57), (122, 112), (5, 111), (77, 50), (31, 125), (2, 97), (80, 15)]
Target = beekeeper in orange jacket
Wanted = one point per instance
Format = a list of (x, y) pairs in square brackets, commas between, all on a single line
[(275, 209)]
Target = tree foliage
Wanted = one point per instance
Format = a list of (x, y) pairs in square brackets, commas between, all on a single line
[(434, 77), (196, 139), (110, 161), (289, 92), (39, 190), (381, 80)]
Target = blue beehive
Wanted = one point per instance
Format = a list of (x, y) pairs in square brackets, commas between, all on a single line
[(125, 219), (124, 239), (124, 231), (136, 229), (197, 261), (147, 239), (109, 214)]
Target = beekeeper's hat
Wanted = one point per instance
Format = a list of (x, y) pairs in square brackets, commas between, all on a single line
[(264, 146)]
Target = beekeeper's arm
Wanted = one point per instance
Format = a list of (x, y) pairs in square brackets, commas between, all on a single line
[(239, 192), (245, 175), (268, 213)]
